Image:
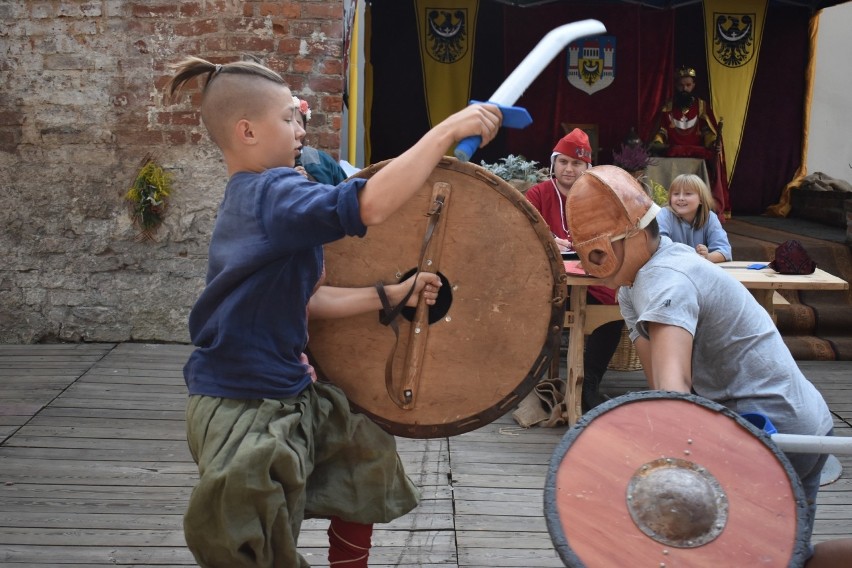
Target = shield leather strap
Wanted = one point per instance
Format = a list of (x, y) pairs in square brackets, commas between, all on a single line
[(669, 479), (405, 396), (471, 357)]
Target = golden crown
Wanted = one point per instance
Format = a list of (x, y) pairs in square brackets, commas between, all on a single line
[(686, 72)]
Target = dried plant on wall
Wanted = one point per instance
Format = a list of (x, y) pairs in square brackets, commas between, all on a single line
[(148, 197)]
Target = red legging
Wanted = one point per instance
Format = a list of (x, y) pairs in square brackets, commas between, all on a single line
[(348, 543)]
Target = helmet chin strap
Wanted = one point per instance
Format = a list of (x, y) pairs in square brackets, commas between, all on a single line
[(622, 272), (636, 254)]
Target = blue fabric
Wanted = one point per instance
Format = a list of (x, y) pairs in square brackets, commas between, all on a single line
[(712, 235), (265, 260), (322, 166)]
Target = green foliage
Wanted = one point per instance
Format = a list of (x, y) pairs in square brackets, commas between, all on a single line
[(517, 168), (148, 196)]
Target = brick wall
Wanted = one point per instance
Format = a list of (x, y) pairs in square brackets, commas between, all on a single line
[(81, 106)]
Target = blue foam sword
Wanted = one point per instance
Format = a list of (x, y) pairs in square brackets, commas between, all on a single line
[(524, 74), (800, 443)]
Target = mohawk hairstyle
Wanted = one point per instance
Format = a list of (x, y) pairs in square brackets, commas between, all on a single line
[(192, 67)]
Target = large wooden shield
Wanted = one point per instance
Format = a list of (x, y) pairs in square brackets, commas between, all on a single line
[(664, 479), (474, 355)]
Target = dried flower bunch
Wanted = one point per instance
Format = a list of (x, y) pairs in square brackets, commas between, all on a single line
[(148, 196), (632, 157)]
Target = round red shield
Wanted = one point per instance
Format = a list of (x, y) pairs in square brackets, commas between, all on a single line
[(665, 479)]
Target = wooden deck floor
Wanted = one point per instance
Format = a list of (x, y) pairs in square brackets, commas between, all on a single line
[(94, 469)]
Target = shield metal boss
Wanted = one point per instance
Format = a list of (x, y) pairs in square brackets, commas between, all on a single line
[(667, 479), (473, 356)]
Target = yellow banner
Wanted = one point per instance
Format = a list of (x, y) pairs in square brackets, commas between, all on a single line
[(733, 33), (368, 84), (446, 29)]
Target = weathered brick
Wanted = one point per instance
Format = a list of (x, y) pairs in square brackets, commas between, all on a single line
[(320, 48), (197, 27), (323, 11), (175, 137), (77, 10), (83, 27), (138, 137), (68, 61), (11, 117), (291, 10), (186, 118), (295, 82), (332, 104), (84, 108), (333, 29), (289, 46), (251, 43), (91, 9), (303, 28), (329, 139), (213, 44), (115, 8), (301, 65), (244, 25), (191, 9), (331, 66), (326, 84), (10, 138), (151, 10), (37, 10)]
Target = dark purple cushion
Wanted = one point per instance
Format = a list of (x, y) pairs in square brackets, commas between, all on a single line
[(792, 258)]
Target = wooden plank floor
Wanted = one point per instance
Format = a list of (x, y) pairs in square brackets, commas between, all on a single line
[(94, 469)]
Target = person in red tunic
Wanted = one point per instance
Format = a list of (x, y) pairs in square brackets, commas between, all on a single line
[(687, 128), (571, 157)]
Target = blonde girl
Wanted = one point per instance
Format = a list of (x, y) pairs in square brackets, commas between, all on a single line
[(689, 219)]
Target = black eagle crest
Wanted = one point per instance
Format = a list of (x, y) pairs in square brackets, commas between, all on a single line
[(590, 70), (446, 32), (733, 39)]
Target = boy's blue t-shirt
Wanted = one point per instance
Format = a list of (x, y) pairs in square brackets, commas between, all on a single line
[(265, 261)]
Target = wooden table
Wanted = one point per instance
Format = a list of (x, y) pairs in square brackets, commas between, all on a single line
[(763, 283), (580, 316)]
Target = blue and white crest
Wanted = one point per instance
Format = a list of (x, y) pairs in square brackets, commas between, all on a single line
[(591, 63)]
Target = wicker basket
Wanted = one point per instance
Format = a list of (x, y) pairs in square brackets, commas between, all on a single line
[(625, 357)]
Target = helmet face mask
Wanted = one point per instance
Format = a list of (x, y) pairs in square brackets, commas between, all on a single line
[(598, 257), (606, 205)]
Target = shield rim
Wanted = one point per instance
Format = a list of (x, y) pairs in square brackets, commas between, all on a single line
[(551, 513), (544, 359)]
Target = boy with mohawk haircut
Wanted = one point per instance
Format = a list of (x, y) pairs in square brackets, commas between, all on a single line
[(273, 446)]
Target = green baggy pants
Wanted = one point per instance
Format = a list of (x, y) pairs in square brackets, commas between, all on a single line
[(265, 465)]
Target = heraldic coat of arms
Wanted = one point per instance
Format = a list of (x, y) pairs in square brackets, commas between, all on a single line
[(591, 63)]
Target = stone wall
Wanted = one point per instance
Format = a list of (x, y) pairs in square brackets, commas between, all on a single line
[(81, 107)]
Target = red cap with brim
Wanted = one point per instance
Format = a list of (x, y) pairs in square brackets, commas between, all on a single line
[(575, 144)]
